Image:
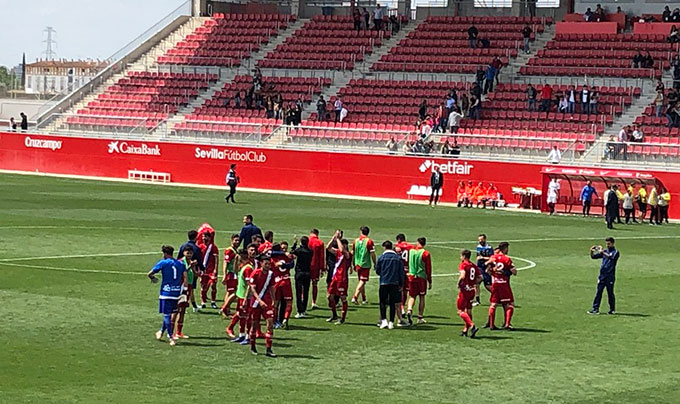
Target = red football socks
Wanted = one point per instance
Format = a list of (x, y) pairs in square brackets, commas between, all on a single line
[(492, 316), (466, 318), (508, 315)]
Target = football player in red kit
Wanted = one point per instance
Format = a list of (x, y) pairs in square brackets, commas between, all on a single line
[(318, 265), (247, 266), (467, 280), (402, 248), (230, 279), (209, 277), (501, 268), (262, 304), (340, 281), (268, 242), (282, 263)]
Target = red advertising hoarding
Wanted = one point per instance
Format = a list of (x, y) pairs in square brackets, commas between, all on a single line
[(381, 176)]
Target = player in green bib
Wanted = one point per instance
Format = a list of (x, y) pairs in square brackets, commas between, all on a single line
[(246, 260), (363, 251), (420, 279), (230, 278), (188, 294)]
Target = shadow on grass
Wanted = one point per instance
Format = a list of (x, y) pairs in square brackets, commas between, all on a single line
[(225, 338), (632, 314), (295, 356), (490, 337), (286, 339), (187, 343), (301, 328), (531, 330), (421, 327), (209, 313)]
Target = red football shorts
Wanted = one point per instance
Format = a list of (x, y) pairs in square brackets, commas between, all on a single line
[(315, 274), (283, 290), (209, 279), (465, 299), (256, 313), (337, 288), (417, 286), (232, 282), (501, 293), (363, 273)]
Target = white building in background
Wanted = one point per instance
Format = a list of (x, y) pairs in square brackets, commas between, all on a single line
[(55, 76)]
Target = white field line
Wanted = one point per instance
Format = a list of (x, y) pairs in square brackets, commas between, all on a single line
[(78, 256), (94, 271), (533, 240)]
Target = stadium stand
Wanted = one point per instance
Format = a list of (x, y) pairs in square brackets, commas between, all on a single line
[(226, 39), (140, 98), (325, 42), (423, 49), (606, 55)]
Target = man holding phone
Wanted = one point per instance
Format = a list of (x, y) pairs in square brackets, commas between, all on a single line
[(610, 257)]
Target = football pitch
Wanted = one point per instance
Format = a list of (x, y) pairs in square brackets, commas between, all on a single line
[(79, 315)]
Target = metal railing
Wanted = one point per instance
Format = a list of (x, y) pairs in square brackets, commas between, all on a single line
[(117, 62), (100, 125)]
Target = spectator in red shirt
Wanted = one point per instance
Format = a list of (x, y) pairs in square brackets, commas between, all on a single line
[(546, 97)]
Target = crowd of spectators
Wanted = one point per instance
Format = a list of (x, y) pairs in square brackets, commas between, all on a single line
[(362, 20), (667, 16), (422, 146), (617, 147), (643, 61), (668, 103), (570, 101)]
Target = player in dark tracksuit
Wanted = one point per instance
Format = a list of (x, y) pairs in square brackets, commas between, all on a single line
[(484, 251), (610, 257)]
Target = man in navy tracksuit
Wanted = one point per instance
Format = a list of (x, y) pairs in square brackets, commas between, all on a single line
[(390, 269), (610, 256)]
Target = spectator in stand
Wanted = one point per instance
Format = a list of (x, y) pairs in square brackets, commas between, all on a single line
[(638, 59), (473, 33), (660, 85), (321, 109), (563, 106), (664, 201), (599, 13), (672, 96), (455, 149), (446, 147), (673, 37), (337, 106), (526, 35), (585, 100), (610, 148), (269, 108), (356, 17), (440, 118), (465, 105), (422, 110), (451, 101), (593, 102), (555, 156), (623, 142), (24, 122), (675, 17), (531, 97), (498, 65), (476, 91), (638, 136), (237, 100), (484, 43), (666, 15), (659, 102), (673, 114), (249, 98), (475, 108), (367, 17), (392, 146), (588, 16), (479, 76), (648, 61), (343, 113), (571, 99), (12, 125), (378, 17), (546, 97), (490, 77), (454, 120)]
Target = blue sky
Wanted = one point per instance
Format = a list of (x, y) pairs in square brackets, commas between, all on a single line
[(85, 28)]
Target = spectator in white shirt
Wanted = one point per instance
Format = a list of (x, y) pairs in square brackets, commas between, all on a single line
[(563, 107), (337, 107), (343, 114), (554, 157), (377, 17), (454, 120), (638, 136)]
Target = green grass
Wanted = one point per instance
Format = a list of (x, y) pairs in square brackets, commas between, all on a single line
[(88, 337)]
